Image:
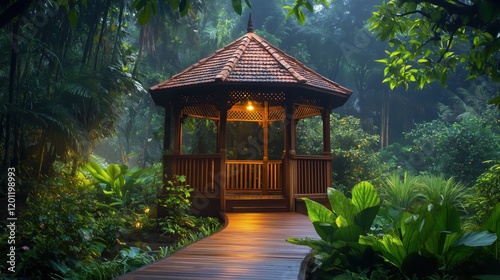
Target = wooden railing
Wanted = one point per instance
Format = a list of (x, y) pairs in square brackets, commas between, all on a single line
[(203, 175), (249, 175), (201, 171), (313, 174), (275, 175)]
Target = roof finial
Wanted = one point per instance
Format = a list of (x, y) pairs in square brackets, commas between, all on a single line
[(250, 24)]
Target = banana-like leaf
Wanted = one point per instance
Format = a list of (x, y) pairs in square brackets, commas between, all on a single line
[(318, 213), (365, 218), (476, 239), (492, 223), (365, 196), (325, 230), (391, 247), (113, 171), (342, 206)]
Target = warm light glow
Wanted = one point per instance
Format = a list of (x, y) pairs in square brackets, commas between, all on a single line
[(146, 210), (250, 106)]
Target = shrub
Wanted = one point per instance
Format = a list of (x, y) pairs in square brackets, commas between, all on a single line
[(400, 192), (455, 150), (437, 190), (176, 203), (433, 239), (486, 194), (355, 155), (59, 226)]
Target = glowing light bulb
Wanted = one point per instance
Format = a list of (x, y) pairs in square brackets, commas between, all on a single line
[(250, 106)]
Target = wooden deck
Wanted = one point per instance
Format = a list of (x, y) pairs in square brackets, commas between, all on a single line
[(252, 246)]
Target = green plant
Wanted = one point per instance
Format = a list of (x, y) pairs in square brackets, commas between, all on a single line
[(111, 180), (56, 232), (457, 149), (354, 150), (356, 229), (399, 192), (434, 239), (486, 194), (176, 203), (338, 249), (438, 190)]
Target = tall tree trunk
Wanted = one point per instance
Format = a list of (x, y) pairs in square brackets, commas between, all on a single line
[(90, 38), (142, 38), (120, 23), (11, 102), (384, 129), (148, 133), (103, 27)]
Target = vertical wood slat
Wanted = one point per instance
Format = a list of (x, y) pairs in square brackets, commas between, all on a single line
[(248, 175), (200, 170), (313, 174)]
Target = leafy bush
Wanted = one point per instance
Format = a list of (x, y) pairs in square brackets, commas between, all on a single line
[(401, 193), (437, 190), (433, 238), (355, 155), (486, 194), (60, 226), (456, 150), (338, 249), (177, 221)]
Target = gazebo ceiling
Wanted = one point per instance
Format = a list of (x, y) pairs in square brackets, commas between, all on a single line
[(249, 68)]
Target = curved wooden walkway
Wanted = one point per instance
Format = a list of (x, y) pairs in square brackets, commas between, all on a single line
[(252, 246)]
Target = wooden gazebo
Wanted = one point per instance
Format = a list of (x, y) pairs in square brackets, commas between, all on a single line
[(220, 87)]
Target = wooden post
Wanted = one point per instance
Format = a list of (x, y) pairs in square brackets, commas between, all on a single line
[(167, 149), (221, 147), (265, 160), (289, 163), (177, 125), (327, 150)]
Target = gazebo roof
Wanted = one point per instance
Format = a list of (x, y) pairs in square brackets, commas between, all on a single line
[(250, 61)]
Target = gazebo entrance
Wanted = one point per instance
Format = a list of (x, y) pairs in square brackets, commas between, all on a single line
[(260, 92), (250, 168)]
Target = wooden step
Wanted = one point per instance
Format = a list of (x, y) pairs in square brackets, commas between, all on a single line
[(256, 203), (259, 209)]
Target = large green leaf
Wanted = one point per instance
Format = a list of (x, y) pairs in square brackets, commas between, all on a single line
[(365, 218), (410, 232), (348, 234), (318, 212), (325, 230), (390, 246), (315, 244), (365, 196), (342, 206), (492, 223), (113, 171), (237, 6), (476, 239)]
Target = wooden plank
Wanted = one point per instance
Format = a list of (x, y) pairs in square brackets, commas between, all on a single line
[(252, 246)]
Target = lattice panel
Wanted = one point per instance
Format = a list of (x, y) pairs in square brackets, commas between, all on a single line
[(304, 112), (249, 116), (274, 98), (205, 98), (201, 111), (307, 100), (276, 114)]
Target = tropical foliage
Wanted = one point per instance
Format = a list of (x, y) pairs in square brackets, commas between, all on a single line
[(431, 237), (73, 76), (116, 206)]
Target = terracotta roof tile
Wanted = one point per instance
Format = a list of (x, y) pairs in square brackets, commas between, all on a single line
[(250, 59)]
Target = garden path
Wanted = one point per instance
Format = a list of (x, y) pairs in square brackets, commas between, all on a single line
[(251, 246)]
